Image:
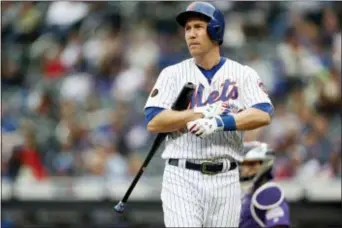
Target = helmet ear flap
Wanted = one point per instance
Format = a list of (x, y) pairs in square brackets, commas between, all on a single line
[(214, 31), (217, 28)]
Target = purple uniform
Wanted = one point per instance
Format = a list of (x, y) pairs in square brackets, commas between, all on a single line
[(265, 207)]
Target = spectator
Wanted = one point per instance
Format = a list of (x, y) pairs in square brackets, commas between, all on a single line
[(51, 65), (11, 73), (143, 50), (104, 160), (26, 160), (297, 60), (27, 26), (65, 162), (61, 16), (72, 53)]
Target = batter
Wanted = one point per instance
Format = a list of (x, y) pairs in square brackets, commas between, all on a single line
[(201, 179)]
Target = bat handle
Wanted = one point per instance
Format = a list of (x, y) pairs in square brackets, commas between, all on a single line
[(120, 207)]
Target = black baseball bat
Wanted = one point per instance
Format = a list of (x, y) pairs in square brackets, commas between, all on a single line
[(180, 104)]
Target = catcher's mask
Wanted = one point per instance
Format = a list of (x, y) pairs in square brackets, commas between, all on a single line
[(257, 161)]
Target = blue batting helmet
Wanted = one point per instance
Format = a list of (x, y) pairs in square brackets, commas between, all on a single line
[(214, 16)]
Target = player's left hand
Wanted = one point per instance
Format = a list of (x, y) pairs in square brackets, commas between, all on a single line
[(205, 126), (214, 109)]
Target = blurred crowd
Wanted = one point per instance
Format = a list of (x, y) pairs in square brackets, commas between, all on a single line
[(75, 77)]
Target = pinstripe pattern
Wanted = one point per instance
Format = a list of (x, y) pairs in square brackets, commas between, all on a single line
[(191, 199), (221, 144), (181, 199)]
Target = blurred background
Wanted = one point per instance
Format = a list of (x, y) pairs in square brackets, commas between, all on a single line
[(75, 77)]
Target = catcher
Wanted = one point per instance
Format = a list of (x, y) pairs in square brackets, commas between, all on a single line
[(263, 202)]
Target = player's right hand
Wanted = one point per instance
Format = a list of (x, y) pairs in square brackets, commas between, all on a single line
[(211, 110), (205, 126)]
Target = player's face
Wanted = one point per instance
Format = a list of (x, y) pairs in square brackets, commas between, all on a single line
[(248, 168), (196, 37)]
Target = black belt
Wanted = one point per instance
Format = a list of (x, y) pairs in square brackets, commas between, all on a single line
[(209, 168)]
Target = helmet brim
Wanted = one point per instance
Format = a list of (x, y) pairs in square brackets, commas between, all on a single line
[(183, 17)]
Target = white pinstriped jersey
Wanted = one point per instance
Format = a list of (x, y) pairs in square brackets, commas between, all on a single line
[(237, 84)]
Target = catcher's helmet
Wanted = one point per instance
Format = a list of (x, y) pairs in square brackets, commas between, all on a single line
[(216, 24), (258, 151)]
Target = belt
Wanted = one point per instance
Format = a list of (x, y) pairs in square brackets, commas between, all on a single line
[(209, 168)]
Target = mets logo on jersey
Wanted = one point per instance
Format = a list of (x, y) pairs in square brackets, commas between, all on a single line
[(229, 91)]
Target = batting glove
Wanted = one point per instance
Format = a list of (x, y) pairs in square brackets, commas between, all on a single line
[(211, 110), (205, 126)]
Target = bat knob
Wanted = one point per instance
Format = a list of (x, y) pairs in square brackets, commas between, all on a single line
[(119, 207)]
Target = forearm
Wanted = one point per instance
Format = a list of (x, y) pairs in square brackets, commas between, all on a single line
[(251, 119), (248, 119), (170, 120)]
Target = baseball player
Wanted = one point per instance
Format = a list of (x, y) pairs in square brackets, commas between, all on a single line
[(263, 204), (201, 179)]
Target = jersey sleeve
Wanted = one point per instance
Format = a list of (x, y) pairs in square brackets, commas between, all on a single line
[(163, 93), (278, 216), (253, 90)]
